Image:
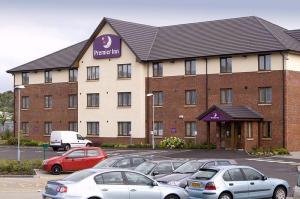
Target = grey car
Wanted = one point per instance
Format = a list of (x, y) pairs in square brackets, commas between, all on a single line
[(181, 174), (228, 182), (159, 168), (110, 184), (128, 162)]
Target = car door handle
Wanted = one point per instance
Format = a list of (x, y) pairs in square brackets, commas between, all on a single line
[(252, 183), (104, 189), (132, 190), (230, 184)]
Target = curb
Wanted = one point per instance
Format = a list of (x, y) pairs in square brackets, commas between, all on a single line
[(21, 176)]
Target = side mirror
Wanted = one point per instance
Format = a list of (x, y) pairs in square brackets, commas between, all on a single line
[(154, 173), (265, 178), (154, 183)]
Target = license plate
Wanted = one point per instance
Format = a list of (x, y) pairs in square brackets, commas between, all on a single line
[(196, 184)]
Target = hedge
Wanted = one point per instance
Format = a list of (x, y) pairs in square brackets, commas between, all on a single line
[(13, 167)]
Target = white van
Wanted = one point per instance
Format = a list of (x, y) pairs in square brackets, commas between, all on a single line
[(67, 140)]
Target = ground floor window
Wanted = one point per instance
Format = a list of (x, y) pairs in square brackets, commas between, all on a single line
[(48, 128), (25, 127), (158, 128), (267, 129), (124, 128), (73, 126), (190, 129), (92, 128), (249, 132)]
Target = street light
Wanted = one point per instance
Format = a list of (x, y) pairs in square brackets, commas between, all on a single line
[(153, 142), (19, 87)]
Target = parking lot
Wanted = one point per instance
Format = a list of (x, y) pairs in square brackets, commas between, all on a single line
[(277, 167)]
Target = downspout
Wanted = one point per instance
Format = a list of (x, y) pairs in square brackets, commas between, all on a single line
[(283, 100), (206, 84), (147, 107), (14, 105)]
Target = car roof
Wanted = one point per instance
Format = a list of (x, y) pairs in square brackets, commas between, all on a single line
[(225, 167), (166, 160), (127, 156)]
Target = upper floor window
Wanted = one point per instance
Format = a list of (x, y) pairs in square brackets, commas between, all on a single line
[(25, 102), (158, 128), (48, 101), (48, 128), (73, 126), (48, 76), (93, 100), (226, 95), (190, 129), (264, 62), (124, 99), (267, 129), (73, 73), (25, 78), (25, 127), (157, 69), (265, 95), (226, 65), (190, 97), (190, 67), (73, 101), (158, 98), (93, 128), (124, 128), (124, 70), (93, 73)]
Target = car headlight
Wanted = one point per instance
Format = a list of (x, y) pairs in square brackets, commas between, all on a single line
[(174, 183), (45, 162)]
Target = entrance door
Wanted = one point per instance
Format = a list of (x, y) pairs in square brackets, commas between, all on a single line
[(238, 135), (226, 135)]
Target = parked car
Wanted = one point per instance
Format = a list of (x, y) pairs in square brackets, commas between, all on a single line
[(74, 160), (181, 174), (297, 189), (129, 162), (67, 140), (158, 168), (228, 182), (111, 184)]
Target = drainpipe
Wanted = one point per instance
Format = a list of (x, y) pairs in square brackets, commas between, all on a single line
[(147, 107), (206, 84), (283, 99)]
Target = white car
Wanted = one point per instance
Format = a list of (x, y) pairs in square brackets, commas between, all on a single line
[(111, 184), (67, 140)]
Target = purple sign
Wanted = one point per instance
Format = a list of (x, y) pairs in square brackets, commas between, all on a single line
[(215, 116), (107, 46)]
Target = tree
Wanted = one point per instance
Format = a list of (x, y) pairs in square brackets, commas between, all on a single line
[(7, 102)]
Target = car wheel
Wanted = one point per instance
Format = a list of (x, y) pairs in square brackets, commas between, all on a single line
[(55, 148), (56, 169), (225, 196), (172, 197), (67, 147), (279, 193), (88, 145)]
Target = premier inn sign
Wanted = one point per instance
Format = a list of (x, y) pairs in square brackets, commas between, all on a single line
[(107, 46)]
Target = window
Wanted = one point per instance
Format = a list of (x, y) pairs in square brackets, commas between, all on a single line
[(267, 129), (222, 162), (93, 128), (226, 65), (265, 95), (93, 73), (48, 101), (158, 128), (25, 127), (48, 76), (124, 128), (190, 67), (236, 175), (93, 100), (124, 99), (157, 70), (137, 179), (73, 73), (249, 130), (158, 98), (252, 174), (48, 128), (124, 163), (137, 161), (190, 97), (226, 95), (164, 168), (25, 102), (25, 78), (264, 62), (77, 154), (177, 164), (92, 153), (73, 101), (124, 71), (73, 126), (209, 164), (190, 129), (226, 176)]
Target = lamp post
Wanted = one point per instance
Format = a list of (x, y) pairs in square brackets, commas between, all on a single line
[(19, 87), (153, 141)]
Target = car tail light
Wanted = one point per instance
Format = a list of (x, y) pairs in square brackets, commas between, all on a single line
[(210, 186), (62, 189)]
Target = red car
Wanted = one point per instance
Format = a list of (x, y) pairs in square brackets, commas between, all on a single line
[(74, 160)]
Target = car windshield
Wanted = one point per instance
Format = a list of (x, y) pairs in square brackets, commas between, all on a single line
[(78, 176), (204, 174), (189, 167), (105, 163), (145, 167)]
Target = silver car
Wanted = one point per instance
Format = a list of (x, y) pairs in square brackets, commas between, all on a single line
[(236, 182), (110, 184)]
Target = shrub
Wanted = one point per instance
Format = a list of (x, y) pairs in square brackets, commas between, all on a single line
[(107, 145), (199, 146), (269, 151), (13, 167), (172, 143), (12, 141), (6, 135), (139, 145)]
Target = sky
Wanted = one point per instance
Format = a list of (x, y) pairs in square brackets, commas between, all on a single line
[(33, 28)]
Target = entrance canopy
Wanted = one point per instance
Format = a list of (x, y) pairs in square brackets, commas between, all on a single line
[(224, 113)]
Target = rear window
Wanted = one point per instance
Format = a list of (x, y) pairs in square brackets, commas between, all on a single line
[(78, 176), (204, 174), (105, 163)]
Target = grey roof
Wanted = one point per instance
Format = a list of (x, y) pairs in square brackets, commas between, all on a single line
[(294, 33), (234, 112), (60, 59)]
